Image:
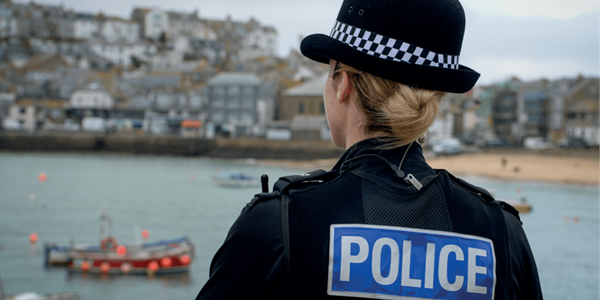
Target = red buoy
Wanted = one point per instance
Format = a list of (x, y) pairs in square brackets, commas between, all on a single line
[(185, 259), (121, 250), (85, 266), (145, 233), (166, 262), (33, 238), (105, 267), (42, 177), (126, 268)]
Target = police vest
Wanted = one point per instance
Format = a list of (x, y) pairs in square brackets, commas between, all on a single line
[(336, 244)]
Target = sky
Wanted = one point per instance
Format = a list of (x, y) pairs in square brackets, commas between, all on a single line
[(529, 39)]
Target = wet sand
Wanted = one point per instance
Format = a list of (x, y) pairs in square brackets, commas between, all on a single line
[(548, 168)]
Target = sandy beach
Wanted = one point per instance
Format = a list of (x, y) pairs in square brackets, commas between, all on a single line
[(535, 167)]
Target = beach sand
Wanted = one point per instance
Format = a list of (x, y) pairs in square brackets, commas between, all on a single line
[(535, 167)]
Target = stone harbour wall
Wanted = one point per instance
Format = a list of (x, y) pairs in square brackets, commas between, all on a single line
[(163, 145)]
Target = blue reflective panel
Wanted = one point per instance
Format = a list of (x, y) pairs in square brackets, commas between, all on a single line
[(384, 262)]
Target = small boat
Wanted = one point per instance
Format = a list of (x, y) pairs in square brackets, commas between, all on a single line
[(521, 206), (35, 296), (236, 179), (110, 257), (167, 256)]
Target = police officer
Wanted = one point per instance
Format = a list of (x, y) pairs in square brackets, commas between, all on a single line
[(382, 224)]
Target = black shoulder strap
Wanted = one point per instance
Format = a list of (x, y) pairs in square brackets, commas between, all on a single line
[(281, 188), (485, 194), (284, 182), (285, 230), (509, 208), (473, 188)]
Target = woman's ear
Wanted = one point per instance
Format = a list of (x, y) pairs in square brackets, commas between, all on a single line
[(343, 86)]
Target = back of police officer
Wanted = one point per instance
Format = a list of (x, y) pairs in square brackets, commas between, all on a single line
[(382, 224)]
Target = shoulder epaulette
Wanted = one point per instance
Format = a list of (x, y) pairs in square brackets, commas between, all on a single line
[(261, 197), (509, 208), (284, 183), (287, 181), (473, 188)]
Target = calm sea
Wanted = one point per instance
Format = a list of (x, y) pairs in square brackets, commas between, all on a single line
[(173, 197)]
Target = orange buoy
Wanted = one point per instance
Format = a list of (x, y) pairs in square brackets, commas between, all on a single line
[(85, 266), (185, 259), (121, 250), (145, 233), (105, 267), (33, 238), (126, 268), (166, 262), (152, 268), (42, 177)]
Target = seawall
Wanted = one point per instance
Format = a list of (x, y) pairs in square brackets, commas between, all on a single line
[(164, 145)]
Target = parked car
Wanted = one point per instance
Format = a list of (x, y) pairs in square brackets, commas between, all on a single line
[(573, 143), (8, 124), (448, 146), (498, 143), (94, 124), (535, 143), (70, 125)]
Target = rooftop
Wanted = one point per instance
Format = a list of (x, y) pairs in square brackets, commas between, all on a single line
[(226, 78), (313, 87)]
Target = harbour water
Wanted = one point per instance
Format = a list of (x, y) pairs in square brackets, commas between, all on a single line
[(173, 197)]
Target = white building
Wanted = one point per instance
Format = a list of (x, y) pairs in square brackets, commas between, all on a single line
[(91, 98), (120, 53), (258, 41), (153, 22), (119, 30), (25, 115), (85, 27), (6, 23), (184, 24)]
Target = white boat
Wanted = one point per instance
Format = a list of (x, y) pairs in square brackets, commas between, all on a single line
[(236, 179)]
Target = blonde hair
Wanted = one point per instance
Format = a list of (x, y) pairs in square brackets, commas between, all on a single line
[(403, 114)]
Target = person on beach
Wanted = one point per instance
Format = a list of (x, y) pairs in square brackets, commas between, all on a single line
[(382, 224)]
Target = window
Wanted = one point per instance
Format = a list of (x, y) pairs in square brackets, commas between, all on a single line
[(218, 103), (234, 116), (534, 118), (195, 101), (233, 103), (233, 90), (248, 90), (219, 90), (322, 110), (247, 117), (248, 103), (301, 107), (163, 100), (217, 116), (182, 100)]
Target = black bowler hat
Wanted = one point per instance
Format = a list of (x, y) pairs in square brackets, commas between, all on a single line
[(414, 42)]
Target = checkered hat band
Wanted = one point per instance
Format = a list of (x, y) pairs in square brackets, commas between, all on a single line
[(384, 47)]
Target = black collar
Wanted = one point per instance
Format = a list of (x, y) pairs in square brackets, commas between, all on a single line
[(366, 160)]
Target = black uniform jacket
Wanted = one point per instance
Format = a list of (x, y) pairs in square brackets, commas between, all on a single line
[(274, 254)]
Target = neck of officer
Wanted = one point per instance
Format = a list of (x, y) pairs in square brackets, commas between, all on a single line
[(355, 123)]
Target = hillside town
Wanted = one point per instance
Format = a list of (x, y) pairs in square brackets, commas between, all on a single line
[(169, 73)]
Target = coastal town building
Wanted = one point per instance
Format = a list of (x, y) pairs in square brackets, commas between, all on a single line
[(233, 103), (582, 112), (304, 99), (153, 22), (92, 97)]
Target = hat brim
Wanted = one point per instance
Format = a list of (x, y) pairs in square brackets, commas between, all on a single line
[(322, 48)]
